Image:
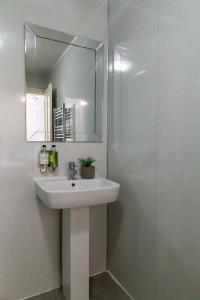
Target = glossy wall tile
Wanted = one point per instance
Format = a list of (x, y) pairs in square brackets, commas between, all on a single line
[(132, 144), (154, 142), (29, 232), (178, 206)]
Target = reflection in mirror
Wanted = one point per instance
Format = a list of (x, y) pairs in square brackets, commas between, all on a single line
[(64, 86)]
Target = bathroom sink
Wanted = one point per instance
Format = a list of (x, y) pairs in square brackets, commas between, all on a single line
[(61, 193), (75, 197)]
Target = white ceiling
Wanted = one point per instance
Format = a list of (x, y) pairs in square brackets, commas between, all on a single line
[(42, 54)]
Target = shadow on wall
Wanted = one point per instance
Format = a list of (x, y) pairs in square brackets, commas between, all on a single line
[(50, 219), (148, 269), (132, 226), (118, 210), (170, 285)]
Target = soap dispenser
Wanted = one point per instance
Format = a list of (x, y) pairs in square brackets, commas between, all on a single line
[(53, 158), (43, 160)]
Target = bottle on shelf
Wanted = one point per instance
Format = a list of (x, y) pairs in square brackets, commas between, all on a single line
[(44, 160), (53, 158)]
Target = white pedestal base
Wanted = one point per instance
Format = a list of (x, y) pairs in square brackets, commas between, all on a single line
[(75, 253)]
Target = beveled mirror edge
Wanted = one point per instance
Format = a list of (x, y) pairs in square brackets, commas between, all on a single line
[(79, 41), (99, 45)]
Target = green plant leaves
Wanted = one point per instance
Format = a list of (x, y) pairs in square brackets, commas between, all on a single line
[(87, 162)]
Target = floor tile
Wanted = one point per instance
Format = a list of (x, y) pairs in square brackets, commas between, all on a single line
[(102, 287)]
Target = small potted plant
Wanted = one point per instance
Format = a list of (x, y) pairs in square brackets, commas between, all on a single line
[(87, 169)]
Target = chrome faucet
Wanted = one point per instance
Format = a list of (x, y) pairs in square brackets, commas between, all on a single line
[(72, 170)]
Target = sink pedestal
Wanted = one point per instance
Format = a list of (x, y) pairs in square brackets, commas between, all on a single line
[(75, 200), (75, 253)]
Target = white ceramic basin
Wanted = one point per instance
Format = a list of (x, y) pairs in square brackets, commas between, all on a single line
[(61, 193)]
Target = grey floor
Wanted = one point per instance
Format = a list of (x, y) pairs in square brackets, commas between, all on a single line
[(102, 287)]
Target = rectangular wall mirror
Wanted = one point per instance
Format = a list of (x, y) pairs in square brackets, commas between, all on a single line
[(64, 86)]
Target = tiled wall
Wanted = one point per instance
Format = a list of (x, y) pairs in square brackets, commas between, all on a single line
[(29, 232), (154, 147)]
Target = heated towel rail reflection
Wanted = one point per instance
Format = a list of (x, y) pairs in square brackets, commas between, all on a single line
[(64, 123)]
